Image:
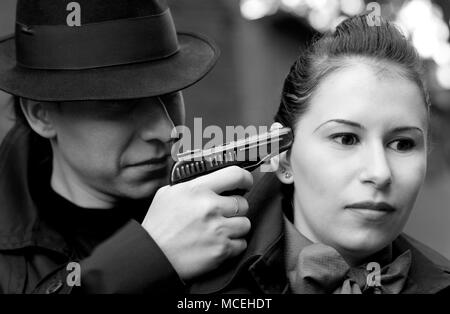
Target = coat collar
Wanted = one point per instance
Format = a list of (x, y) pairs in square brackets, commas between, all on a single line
[(264, 257), (22, 154), (430, 271)]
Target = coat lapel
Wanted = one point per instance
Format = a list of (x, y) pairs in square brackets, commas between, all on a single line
[(429, 273), (264, 255)]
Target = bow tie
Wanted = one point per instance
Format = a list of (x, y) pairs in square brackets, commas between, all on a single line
[(321, 269)]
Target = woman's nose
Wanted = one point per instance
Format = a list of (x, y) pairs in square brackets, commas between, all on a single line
[(376, 169), (156, 122)]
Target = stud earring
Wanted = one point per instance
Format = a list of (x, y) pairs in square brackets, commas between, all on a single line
[(287, 175)]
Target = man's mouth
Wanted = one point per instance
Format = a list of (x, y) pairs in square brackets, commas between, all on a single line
[(153, 162), (151, 169)]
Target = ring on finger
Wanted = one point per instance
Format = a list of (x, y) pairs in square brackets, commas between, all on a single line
[(236, 212)]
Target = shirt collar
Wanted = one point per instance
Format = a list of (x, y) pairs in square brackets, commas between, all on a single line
[(294, 244)]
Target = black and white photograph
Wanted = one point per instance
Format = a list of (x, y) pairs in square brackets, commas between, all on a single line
[(226, 155)]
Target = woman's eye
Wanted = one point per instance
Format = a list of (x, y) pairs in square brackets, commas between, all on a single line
[(346, 139), (402, 145)]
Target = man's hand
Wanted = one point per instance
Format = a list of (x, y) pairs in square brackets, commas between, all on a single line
[(196, 228)]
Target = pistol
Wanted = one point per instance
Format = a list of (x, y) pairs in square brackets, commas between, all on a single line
[(248, 153)]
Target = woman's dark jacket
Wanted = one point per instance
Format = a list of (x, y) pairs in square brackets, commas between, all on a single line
[(34, 256), (262, 267)]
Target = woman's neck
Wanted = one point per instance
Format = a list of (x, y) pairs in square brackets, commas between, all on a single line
[(300, 222)]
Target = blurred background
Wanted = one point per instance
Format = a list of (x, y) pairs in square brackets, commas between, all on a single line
[(260, 39)]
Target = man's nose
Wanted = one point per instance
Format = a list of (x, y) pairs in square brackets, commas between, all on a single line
[(156, 123), (376, 169)]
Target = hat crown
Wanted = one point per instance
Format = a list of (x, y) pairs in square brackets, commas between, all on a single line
[(51, 12), (86, 34)]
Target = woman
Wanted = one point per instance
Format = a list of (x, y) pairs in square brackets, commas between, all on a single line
[(360, 114)]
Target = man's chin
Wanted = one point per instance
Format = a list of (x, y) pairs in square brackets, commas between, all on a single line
[(143, 190)]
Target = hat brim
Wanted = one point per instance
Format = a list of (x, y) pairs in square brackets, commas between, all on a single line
[(193, 61)]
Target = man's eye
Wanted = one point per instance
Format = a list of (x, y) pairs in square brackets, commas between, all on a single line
[(119, 108), (114, 111), (346, 139), (402, 145)]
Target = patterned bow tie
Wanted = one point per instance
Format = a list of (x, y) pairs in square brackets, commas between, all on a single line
[(321, 269)]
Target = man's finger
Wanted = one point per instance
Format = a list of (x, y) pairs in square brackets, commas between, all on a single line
[(238, 227), (234, 205), (226, 179), (237, 246)]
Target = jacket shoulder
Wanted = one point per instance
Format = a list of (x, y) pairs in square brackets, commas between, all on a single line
[(432, 255)]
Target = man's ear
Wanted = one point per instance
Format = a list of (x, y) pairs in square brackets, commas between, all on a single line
[(38, 117), (281, 164)]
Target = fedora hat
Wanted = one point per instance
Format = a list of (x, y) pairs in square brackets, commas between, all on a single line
[(99, 50)]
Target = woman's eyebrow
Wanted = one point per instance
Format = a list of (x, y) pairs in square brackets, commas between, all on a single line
[(357, 125), (406, 128), (342, 121)]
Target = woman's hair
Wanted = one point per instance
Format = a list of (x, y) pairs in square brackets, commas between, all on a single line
[(383, 47)]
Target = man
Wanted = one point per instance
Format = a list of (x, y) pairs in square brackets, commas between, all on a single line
[(97, 86)]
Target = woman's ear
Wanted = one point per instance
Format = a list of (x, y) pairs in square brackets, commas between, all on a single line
[(282, 167), (280, 163), (38, 117)]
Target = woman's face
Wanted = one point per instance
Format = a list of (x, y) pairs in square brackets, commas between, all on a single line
[(359, 159)]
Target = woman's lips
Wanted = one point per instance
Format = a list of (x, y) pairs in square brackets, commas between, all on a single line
[(378, 206), (372, 210)]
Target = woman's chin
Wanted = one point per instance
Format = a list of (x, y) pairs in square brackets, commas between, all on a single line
[(363, 242)]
